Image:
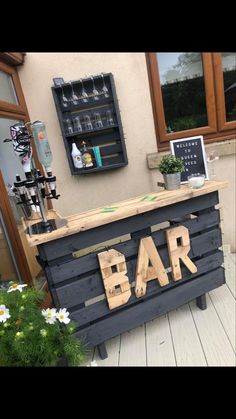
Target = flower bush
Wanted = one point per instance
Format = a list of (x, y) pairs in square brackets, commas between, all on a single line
[(30, 336)]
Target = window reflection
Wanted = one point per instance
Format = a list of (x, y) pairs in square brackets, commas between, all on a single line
[(7, 89), (183, 90), (229, 75)]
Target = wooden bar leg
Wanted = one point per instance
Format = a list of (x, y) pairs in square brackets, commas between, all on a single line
[(201, 302), (102, 351)]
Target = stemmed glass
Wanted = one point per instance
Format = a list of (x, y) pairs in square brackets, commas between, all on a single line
[(87, 123), (110, 120), (98, 122), (74, 98), (64, 100), (84, 93), (104, 88), (95, 91)]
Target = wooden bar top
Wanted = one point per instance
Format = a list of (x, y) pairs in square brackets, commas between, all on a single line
[(120, 210)]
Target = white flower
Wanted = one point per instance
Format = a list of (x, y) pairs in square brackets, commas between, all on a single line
[(62, 316), (16, 286), (49, 315), (4, 314)]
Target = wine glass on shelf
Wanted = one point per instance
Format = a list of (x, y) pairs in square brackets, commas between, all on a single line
[(84, 93), (97, 120), (77, 124), (87, 123), (64, 100), (95, 91), (105, 90), (109, 118), (74, 98)]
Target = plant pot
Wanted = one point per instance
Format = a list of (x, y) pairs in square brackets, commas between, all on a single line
[(172, 181)]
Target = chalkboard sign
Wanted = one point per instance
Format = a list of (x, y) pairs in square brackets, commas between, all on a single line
[(191, 151)]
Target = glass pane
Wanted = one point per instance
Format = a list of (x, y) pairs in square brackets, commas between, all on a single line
[(7, 89), (8, 267), (10, 165), (183, 90), (229, 74)]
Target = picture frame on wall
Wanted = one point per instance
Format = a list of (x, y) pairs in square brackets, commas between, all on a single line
[(191, 151)]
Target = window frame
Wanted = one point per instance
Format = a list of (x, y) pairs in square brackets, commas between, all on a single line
[(212, 132), (220, 96)]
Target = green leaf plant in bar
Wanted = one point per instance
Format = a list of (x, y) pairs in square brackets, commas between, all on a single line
[(30, 336)]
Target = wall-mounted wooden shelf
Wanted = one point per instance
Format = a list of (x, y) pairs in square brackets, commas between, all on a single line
[(109, 137)]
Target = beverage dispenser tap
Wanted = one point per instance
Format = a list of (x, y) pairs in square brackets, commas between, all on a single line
[(32, 190)]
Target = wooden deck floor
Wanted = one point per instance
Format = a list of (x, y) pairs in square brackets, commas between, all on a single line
[(186, 336)]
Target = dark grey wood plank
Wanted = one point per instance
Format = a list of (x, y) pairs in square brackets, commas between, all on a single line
[(101, 309), (136, 315), (67, 245), (83, 264), (89, 286)]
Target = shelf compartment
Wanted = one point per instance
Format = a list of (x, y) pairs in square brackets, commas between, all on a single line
[(110, 138)]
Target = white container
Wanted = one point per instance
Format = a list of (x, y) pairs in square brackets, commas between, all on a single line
[(196, 181), (77, 157)]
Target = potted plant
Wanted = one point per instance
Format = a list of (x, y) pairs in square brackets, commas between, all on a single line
[(171, 168), (30, 336)]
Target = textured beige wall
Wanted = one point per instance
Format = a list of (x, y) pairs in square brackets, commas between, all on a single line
[(80, 193)]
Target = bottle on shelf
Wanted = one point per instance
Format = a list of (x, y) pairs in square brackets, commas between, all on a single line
[(77, 157), (42, 144), (86, 156)]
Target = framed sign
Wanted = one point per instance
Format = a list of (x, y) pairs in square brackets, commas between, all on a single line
[(191, 151)]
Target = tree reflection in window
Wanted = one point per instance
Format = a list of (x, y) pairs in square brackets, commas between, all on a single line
[(229, 75), (183, 90)]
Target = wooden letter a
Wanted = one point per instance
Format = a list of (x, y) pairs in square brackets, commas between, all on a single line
[(144, 272), (116, 284), (179, 252)]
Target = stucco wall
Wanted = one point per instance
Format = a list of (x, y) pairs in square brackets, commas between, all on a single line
[(80, 193)]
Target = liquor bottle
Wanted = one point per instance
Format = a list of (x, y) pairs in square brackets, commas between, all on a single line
[(42, 145), (76, 156), (86, 156)]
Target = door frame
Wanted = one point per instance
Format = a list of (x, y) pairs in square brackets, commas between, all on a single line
[(18, 112)]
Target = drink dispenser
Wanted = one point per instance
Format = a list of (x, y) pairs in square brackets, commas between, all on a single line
[(42, 145)]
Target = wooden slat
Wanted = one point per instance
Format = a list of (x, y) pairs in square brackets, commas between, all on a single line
[(224, 303), (85, 223), (148, 309), (130, 354), (160, 351), (215, 343), (90, 286), (67, 245), (62, 271), (187, 346), (100, 309)]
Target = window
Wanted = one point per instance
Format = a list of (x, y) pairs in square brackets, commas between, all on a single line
[(193, 94)]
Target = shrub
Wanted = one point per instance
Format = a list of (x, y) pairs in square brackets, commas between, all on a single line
[(30, 336)]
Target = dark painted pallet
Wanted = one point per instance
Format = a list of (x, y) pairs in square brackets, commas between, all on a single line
[(76, 283), (150, 308), (54, 249)]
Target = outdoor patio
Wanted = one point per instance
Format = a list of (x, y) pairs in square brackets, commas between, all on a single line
[(186, 336)]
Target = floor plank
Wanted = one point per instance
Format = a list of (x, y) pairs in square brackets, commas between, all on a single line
[(187, 346), (224, 304), (217, 348), (233, 257), (88, 358), (160, 350), (230, 274), (133, 348), (113, 349)]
